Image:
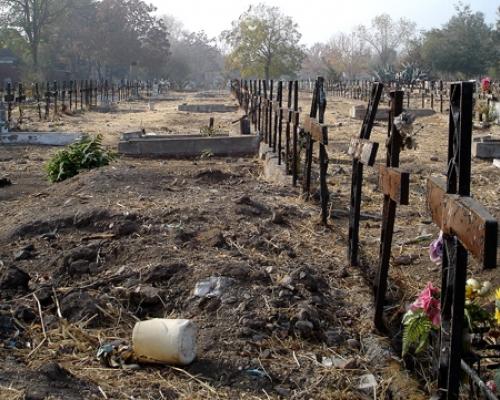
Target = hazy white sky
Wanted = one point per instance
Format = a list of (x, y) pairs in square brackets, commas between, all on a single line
[(319, 19)]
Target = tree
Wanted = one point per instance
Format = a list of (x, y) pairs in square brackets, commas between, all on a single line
[(264, 43), (464, 45), (349, 54), (33, 18), (387, 37), (318, 62), (196, 61)]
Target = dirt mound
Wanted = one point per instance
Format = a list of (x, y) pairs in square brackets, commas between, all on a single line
[(49, 381), (214, 176)]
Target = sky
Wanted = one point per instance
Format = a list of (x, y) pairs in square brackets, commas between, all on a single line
[(319, 19)]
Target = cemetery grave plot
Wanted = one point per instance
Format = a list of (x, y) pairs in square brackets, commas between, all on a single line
[(158, 115), (134, 238), (278, 326)]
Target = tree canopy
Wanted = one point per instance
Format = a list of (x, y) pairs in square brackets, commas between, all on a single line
[(465, 45), (264, 43)]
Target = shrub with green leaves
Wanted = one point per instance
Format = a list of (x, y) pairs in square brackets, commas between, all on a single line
[(85, 155)]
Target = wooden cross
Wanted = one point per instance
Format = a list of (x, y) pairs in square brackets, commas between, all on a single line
[(288, 129), (395, 187), (295, 133), (269, 127), (363, 152), (259, 108), (467, 228), (9, 99), (316, 131), (265, 106), (278, 119)]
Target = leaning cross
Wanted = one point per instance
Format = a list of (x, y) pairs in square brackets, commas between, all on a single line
[(316, 131), (363, 152), (395, 187), (467, 228)]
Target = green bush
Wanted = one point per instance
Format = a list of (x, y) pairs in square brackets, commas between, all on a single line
[(85, 155)]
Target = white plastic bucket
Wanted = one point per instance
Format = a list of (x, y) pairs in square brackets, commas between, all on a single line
[(165, 341)]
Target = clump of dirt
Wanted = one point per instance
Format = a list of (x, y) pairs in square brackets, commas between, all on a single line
[(214, 176)]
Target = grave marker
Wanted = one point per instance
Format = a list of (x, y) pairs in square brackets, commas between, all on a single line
[(316, 131), (395, 187), (363, 152)]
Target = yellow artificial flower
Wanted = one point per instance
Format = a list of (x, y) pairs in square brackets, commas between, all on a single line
[(497, 294), (469, 292), (497, 316)]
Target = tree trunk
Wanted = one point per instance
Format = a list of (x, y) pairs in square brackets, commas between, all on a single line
[(266, 70), (34, 55)]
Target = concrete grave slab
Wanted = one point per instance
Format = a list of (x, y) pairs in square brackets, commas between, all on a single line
[(41, 138), (179, 146), (487, 149), (207, 108)]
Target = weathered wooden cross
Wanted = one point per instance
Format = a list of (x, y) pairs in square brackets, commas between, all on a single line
[(316, 131), (20, 99), (363, 152), (467, 228), (277, 113), (394, 184), (295, 133), (9, 99)]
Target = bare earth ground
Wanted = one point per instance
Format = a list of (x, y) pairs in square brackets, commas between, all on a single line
[(131, 240)]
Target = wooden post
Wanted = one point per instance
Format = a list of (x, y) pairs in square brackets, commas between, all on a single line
[(37, 97), (278, 122), (323, 156), (362, 152), (270, 114), (276, 109), (441, 96), (259, 108), (306, 176), (288, 158), (395, 186), (47, 100), (266, 111), (295, 150)]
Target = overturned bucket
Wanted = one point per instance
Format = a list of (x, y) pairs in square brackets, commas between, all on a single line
[(165, 341)]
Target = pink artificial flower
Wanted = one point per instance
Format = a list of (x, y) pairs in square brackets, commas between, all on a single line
[(492, 386), (485, 84), (436, 249), (428, 301)]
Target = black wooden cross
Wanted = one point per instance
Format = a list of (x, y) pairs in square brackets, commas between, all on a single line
[(55, 94), (20, 99), (37, 98), (295, 133), (363, 152), (278, 117), (316, 131), (264, 121), (48, 94), (395, 187), (467, 228), (288, 128), (259, 107), (9, 99), (269, 127), (70, 93)]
